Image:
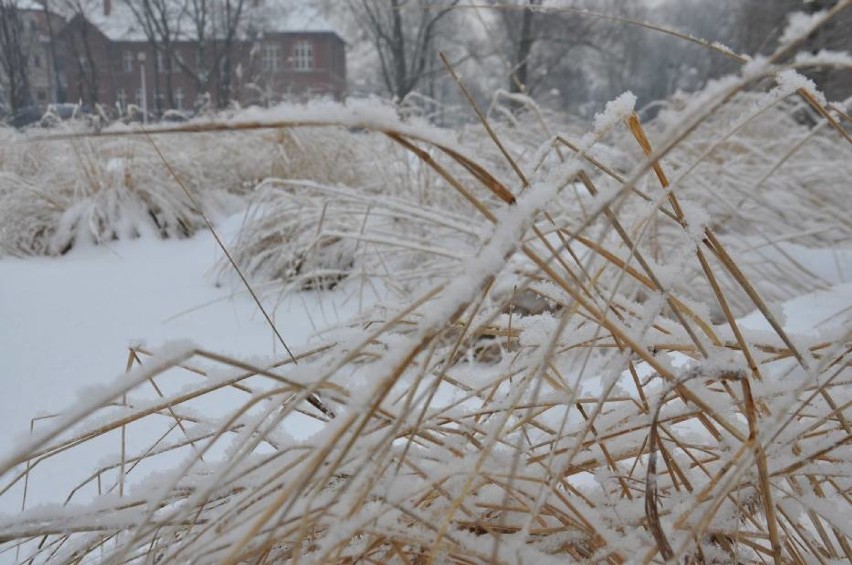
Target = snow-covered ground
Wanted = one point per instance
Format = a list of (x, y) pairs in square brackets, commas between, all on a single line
[(66, 323), (823, 309)]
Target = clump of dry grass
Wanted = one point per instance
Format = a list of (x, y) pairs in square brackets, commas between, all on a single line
[(773, 181), (610, 429), (404, 227), (54, 195)]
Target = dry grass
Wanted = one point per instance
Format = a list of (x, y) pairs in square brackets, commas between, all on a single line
[(58, 194), (621, 422)]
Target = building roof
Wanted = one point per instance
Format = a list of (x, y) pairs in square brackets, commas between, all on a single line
[(29, 5), (267, 16), (120, 25), (287, 15)]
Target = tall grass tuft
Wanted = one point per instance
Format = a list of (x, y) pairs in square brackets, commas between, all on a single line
[(85, 190)]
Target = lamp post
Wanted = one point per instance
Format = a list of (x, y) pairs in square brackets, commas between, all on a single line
[(141, 57)]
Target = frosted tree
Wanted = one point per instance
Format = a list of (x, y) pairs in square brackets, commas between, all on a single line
[(78, 42), (404, 36), (159, 20), (214, 25)]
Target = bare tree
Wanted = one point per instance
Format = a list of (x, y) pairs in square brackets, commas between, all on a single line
[(79, 43), (14, 56), (403, 33), (58, 86), (522, 35), (751, 27), (215, 25), (160, 21), (210, 25)]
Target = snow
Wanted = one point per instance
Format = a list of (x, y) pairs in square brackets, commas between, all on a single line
[(825, 57), (811, 313), (789, 81), (28, 5), (822, 309), (800, 25), (67, 322), (267, 16), (616, 111), (286, 15), (119, 25)]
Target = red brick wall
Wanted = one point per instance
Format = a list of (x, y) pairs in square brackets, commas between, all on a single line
[(255, 85), (84, 60), (326, 78)]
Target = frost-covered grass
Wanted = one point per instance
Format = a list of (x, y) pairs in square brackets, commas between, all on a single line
[(58, 194), (558, 368)]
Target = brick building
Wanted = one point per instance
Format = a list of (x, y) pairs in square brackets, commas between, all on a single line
[(38, 25), (277, 49)]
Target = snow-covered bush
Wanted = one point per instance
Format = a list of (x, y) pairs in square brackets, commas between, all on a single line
[(56, 193), (767, 174), (405, 226), (293, 237)]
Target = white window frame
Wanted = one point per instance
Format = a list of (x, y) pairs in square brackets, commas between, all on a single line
[(303, 56), (179, 98), (271, 57), (161, 62), (127, 61)]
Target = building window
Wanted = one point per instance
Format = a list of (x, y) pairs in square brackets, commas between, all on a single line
[(42, 95), (36, 61), (179, 98), (127, 58), (303, 56), (271, 59), (161, 62), (122, 98), (139, 97)]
